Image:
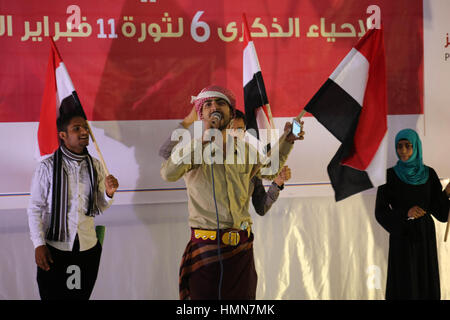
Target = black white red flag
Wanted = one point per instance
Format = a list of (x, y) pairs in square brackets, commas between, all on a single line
[(352, 105), (59, 96), (255, 98)]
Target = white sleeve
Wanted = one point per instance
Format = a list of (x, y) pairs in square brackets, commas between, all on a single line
[(103, 201), (39, 203)]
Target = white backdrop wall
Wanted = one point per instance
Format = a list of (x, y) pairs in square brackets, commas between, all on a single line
[(307, 247)]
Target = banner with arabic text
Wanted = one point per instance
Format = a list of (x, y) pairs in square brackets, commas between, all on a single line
[(142, 60)]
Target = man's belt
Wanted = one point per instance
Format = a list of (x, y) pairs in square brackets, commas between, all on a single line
[(229, 237)]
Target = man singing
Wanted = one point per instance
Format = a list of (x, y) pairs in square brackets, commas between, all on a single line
[(218, 261)]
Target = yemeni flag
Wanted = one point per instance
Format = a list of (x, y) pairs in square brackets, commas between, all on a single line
[(351, 104), (257, 109), (59, 97)]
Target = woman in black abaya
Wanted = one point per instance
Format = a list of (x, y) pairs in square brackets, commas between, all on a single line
[(404, 206)]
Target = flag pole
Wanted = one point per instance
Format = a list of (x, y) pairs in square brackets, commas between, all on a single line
[(98, 149), (447, 228), (448, 219), (301, 115), (269, 111)]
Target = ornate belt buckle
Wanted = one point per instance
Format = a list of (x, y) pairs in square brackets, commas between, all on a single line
[(231, 238)]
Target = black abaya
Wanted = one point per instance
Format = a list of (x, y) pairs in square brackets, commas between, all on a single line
[(413, 271)]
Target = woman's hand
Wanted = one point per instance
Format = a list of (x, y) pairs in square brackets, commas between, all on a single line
[(447, 190), (416, 212)]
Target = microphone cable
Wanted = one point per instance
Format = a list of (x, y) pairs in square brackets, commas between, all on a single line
[(219, 253), (218, 235)]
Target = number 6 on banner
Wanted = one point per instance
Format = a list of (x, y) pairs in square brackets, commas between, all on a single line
[(199, 24)]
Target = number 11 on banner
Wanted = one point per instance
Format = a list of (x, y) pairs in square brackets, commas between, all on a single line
[(112, 25)]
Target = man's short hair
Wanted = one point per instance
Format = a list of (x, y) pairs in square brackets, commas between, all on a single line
[(240, 115), (69, 109)]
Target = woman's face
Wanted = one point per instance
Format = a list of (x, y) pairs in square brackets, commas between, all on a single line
[(404, 149)]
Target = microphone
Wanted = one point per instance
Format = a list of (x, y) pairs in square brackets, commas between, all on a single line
[(215, 118)]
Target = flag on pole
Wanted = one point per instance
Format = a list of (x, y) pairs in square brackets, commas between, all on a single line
[(59, 97), (352, 105), (257, 108)]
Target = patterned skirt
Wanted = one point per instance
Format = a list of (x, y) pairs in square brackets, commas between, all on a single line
[(200, 272)]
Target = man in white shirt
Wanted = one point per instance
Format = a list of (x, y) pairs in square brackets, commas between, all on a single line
[(68, 189)]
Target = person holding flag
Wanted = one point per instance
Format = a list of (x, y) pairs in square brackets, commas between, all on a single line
[(218, 261), (69, 188), (258, 115), (262, 200)]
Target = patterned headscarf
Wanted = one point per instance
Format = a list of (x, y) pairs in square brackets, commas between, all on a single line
[(412, 171), (213, 91)]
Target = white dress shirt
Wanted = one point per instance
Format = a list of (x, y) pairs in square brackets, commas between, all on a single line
[(39, 209)]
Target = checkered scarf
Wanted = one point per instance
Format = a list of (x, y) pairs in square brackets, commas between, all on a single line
[(213, 91)]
